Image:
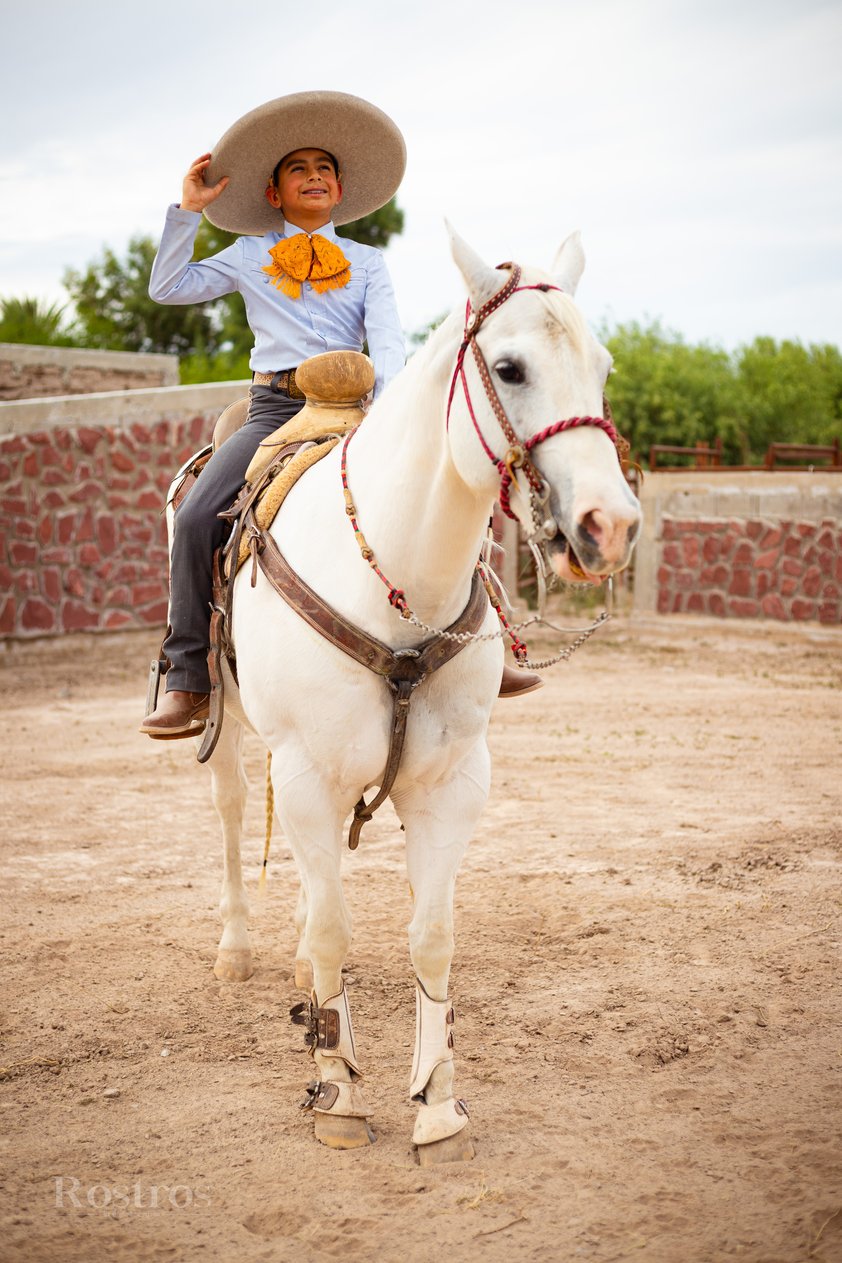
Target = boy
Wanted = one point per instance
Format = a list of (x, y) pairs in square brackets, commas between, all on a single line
[(305, 292)]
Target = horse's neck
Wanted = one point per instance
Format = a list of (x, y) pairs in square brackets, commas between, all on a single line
[(423, 523)]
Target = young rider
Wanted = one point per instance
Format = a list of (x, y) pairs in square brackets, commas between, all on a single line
[(279, 172), (333, 158)]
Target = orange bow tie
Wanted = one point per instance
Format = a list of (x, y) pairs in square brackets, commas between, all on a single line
[(302, 258)]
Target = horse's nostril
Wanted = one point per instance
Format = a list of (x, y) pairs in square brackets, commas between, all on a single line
[(591, 527)]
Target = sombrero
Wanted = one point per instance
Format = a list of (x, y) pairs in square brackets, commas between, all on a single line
[(368, 146)]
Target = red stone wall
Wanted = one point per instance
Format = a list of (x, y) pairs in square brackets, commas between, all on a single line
[(751, 568), (82, 536)]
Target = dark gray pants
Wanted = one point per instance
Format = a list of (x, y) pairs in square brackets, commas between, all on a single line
[(199, 532)]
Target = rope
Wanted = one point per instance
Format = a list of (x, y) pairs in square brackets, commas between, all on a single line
[(270, 812), (397, 596)]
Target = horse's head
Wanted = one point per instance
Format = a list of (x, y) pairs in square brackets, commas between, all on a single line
[(526, 414)]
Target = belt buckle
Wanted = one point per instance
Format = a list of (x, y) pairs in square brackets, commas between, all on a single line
[(283, 382)]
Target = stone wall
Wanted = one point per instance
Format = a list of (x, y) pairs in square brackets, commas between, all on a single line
[(82, 488), (736, 544), (83, 541), (37, 372)]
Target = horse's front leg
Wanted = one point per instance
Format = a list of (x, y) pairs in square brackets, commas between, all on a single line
[(229, 789), (439, 824), (303, 965), (312, 825)]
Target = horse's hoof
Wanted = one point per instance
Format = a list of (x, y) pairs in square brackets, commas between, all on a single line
[(233, 964), (343, 1131), (458, 1148), (303, 974)]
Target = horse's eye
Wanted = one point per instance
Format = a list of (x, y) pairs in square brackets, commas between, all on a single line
[(509, 371)]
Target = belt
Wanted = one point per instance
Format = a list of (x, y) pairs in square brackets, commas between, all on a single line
[(282, 383)]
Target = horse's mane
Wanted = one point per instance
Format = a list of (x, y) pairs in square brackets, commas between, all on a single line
[(568, 315)]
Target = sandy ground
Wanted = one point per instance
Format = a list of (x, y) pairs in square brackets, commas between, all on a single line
[(646, 980)]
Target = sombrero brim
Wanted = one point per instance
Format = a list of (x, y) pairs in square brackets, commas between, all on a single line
[(368, 146)]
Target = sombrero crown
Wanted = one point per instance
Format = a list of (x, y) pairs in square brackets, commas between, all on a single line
[(368, 146)]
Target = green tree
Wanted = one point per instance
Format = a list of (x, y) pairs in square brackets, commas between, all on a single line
[(787, 393), (34, 321), (114, 310), (375, 229), (419, 336), (663, 390)]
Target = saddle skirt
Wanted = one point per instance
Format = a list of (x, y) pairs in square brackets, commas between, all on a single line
[(291, 459)]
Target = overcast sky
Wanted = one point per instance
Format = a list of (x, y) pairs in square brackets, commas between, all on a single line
[(695, 143)]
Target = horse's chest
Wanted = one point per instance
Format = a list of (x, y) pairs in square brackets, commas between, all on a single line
[(439, 734)]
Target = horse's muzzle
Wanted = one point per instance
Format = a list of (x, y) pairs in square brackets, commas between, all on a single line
[(596, 545)]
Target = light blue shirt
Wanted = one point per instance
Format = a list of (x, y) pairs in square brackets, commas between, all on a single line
[(286, 330)]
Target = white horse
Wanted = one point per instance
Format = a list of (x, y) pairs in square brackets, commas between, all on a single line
[(424, 487)]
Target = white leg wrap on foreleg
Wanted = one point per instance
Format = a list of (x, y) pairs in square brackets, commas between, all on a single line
[(335, 1031), (331, 1034), (433, 1047)]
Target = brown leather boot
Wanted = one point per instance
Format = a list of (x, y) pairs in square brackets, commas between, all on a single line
[(177, 715), (516, 682)]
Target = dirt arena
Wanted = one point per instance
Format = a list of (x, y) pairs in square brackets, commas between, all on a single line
[(646, 980)]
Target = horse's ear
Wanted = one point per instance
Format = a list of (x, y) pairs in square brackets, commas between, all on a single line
[(569, 263), (482, 281)]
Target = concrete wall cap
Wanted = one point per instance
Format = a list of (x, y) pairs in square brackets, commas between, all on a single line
[(118, 407)]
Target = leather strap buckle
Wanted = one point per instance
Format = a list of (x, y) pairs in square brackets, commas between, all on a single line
[(283, 383), (322, 1025), (322, 1094)]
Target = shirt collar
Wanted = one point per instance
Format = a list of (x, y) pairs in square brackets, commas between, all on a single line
[(326, 230)]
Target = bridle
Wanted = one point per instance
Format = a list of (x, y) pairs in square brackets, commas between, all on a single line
[(538, 532), (542, 526)]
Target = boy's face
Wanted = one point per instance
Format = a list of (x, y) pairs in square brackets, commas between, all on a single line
[(307, 187)]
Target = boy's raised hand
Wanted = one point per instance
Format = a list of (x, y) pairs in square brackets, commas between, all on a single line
[(195, 194)]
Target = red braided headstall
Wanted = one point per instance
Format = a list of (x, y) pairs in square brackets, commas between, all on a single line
[(516, 457)]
